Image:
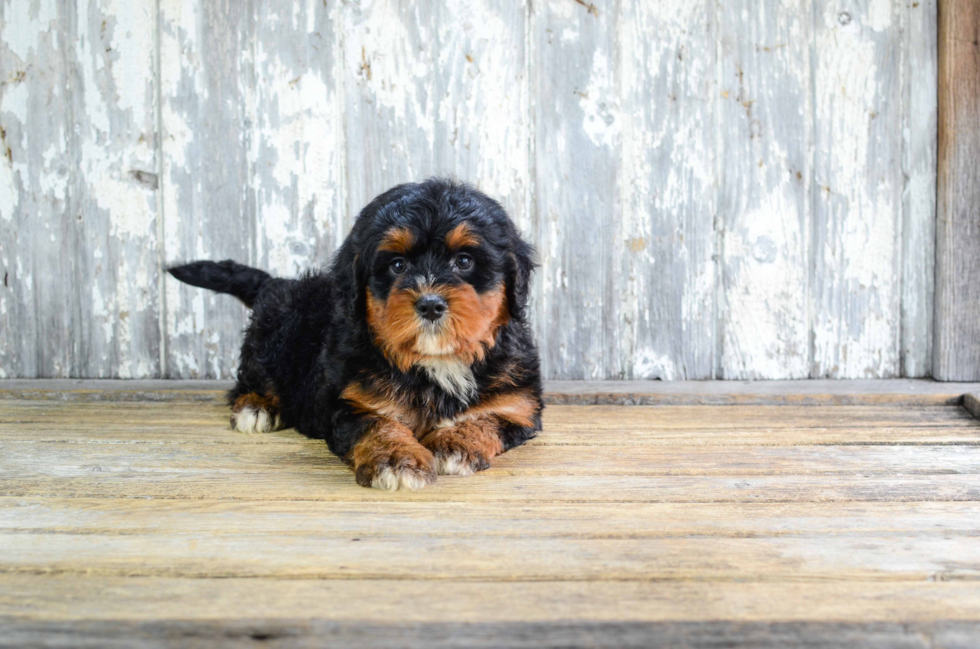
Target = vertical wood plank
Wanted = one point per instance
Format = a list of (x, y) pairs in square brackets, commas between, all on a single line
[(115, 265), (577, 174), (766, 121), (957, 328), (919, 204), (297, 142), (857, 194), (663, 272), (36, 219), (436, 89), (208, 209), (625, 188)]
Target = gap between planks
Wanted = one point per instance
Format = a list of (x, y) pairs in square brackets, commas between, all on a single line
[(803, 392), (514, 634)]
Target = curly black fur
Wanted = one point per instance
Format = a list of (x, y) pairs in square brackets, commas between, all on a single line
[(224, 277), (309, 339)]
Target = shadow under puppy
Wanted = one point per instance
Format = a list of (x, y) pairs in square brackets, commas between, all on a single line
[(412, 356)]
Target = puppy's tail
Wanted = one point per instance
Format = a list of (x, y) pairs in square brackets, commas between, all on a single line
[(224, 277)]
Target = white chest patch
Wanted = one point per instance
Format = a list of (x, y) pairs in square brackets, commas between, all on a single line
[(452, 375)]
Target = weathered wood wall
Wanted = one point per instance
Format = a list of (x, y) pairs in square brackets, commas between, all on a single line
[(957, 346), (739, 189)]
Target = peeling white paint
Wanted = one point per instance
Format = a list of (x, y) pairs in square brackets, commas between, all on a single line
[(765, 108), (599, 105), (300, 149), (880, 14), (672, 161), (15, 101), (9, 192), (648, 364), (857, 313), (21, 35)]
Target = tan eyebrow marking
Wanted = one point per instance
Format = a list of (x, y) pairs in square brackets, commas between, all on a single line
[(461, 236), (397, 240)]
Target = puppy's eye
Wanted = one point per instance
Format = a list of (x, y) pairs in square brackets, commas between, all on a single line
[(464, 262), (398, 266)]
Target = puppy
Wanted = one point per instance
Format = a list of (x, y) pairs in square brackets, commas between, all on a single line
[(412, 356)]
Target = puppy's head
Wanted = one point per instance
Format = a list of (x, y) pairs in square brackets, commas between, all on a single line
[(436, 269)]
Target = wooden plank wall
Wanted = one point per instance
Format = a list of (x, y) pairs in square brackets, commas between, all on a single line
[(957, 352), (717, 190)]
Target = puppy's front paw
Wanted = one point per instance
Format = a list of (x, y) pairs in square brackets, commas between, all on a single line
[(401, 469), (390, 460), (254, 420), (254, 413), (393, 478), (464, 449)]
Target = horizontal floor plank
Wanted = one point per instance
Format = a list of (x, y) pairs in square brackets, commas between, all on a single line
[(72, 460), (496, 486), (551, 436), (220, 435), (73, 597), (564, 426), (576, 520), (753, 417), (860, 556)]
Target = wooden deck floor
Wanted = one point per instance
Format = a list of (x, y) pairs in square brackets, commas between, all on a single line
[(151, 523)]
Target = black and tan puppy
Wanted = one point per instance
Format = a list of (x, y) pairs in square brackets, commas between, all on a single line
[(411, 356)]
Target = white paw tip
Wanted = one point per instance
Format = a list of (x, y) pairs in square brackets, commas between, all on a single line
[(452, 465), (254, 420), (390, 480)]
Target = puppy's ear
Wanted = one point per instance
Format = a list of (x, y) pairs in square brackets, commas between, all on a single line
[(520, 265), (349, 272)]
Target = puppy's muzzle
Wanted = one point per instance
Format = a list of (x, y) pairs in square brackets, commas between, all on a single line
[(431, 307)]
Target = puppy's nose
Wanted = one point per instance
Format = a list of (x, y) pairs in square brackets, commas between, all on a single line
[(431, 307)]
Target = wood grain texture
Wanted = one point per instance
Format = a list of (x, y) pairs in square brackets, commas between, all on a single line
[(766, 122), (730, 190), (71, 598), (860, 556), (957, 341), (664, 248), (624, 225), (548, 457), (742, 525), (455, 520), (36, 221), (296, 145), (115, 315), (436, 89), (690, 454), (208, 210), (919, 197), (857, 169), (577, 171)]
